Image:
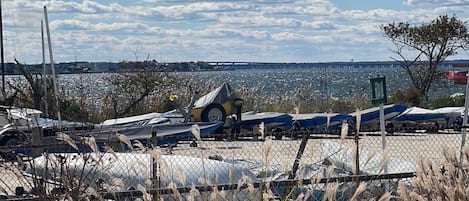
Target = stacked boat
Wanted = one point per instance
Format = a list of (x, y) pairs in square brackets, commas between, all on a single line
[(214, 114), (398, 118)]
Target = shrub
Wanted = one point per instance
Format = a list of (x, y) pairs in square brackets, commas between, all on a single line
[(409, 97), (448, 101)]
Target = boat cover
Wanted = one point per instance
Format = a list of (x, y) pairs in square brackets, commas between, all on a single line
[(220, 95), (372, 114), (135, 169), (24, 113), (164, 131), (342, 157), (417, 114), (319, 120), (69, 125), (132, 119), (270, 119), (459, 110)]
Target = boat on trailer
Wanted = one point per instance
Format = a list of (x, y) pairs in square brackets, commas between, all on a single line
[(321, 121), (416, 118), (369, 118), (269, 119)]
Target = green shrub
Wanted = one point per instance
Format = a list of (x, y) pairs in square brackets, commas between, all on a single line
[(409, 97), (71, 110), (448, 101)]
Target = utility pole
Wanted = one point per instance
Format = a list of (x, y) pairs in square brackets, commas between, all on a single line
[(1, 51)]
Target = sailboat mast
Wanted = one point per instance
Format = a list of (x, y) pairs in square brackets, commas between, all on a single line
[(1, 51), (44, 71), (54, 80)]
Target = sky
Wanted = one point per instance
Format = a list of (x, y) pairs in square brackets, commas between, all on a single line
[(214, 30)]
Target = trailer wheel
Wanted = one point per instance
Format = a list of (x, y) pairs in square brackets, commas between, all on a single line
[(9, 141), (457, 126), (12, 138), (277, 132), (213, 112), (278, 136)]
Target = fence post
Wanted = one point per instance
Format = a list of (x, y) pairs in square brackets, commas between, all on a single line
[(357, 154), (464, 121), (36, 140), (155, 183)]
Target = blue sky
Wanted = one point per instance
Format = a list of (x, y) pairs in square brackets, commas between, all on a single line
[(176, 30)]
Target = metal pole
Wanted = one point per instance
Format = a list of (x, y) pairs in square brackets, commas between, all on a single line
[(1, 51), (154, 166), (57, 105), (464, 121), (383, 132), (44, 76), (299, 154), (357, 153)]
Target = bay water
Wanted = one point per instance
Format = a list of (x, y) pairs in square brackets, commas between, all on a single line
[(334, 82)]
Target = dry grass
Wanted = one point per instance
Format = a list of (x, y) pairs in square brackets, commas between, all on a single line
[(450, 184), (448, 180)]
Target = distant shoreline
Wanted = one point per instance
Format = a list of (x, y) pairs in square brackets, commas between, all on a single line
[(110, 67)]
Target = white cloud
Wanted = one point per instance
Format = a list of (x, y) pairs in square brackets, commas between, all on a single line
[(212, 29), (320, 39), (69, 24), (287, 36), (444, 2)]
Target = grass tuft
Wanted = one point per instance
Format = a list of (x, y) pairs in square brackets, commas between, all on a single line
[(67, 139)]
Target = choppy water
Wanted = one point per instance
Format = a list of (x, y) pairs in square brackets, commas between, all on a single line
[(334, 82), (338, 82)]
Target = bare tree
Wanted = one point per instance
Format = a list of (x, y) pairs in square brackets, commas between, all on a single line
[(32, 94), (421, 49), (131, 89)]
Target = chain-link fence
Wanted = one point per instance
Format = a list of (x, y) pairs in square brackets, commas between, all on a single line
[(310, 167)]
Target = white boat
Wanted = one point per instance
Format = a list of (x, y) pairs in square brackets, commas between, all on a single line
[(133, 120), (165, 133), (370, 117), (144, 119), (416, 117)]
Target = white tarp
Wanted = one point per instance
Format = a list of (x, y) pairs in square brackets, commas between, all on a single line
[(132, 119), (262, 115), (24, 113), (416, 110), (447, 115), (370, 163), (459, 110), (134, 169)]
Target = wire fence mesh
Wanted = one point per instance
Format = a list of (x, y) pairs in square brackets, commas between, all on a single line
[(248, 168)]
